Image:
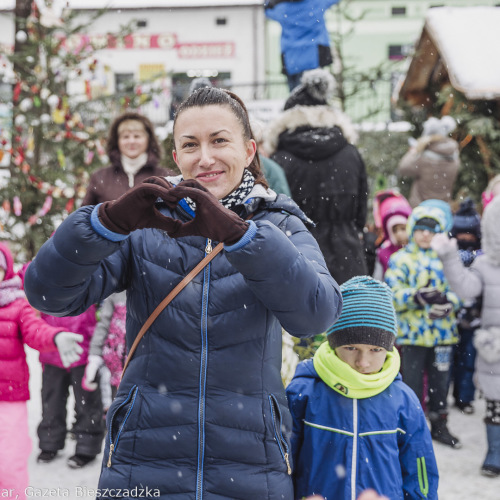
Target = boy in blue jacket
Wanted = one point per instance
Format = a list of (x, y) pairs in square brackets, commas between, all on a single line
[(356, 424)]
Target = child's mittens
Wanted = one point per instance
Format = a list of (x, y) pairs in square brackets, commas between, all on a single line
[(440, 311), (428, 295), (68, 345), (443, 245), (89, 380)]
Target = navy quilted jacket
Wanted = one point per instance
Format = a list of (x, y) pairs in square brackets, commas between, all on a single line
[(201, 411)]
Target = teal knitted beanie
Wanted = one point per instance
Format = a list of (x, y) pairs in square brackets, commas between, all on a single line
[(368, 315)]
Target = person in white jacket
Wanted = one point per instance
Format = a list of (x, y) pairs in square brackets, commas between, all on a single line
[(482, 277)]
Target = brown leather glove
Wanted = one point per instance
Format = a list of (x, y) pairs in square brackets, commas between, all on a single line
[(159, 181), (136, 209), (212, 219)]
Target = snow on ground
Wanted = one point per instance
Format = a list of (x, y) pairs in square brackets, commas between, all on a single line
[(459, 469)]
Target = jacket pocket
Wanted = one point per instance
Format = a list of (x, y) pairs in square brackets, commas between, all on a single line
[(278, 433), (118, 421), (487, 343)]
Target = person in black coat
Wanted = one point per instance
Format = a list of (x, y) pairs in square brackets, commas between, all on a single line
[(313, 142)]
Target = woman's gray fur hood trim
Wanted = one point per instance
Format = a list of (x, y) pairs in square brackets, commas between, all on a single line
[(312, 116)]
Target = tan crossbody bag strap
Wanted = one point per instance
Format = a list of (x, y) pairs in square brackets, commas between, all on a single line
[(164, 303)]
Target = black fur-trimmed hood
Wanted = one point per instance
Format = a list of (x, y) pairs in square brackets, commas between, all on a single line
[(314, 117)]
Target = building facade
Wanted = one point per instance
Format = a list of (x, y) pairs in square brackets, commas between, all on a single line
[(232, 43), (172, 42)]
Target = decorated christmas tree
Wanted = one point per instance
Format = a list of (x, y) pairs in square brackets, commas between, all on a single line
[(56, 142)]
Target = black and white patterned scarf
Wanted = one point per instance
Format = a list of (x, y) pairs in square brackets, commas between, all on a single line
[(236, 197)]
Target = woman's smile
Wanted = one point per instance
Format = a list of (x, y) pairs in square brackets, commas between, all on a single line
[(209, 176)]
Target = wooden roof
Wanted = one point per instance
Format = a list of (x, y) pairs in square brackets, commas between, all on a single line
[(458, 45)]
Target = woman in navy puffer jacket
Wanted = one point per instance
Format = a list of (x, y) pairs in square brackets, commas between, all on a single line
[(201, 411)]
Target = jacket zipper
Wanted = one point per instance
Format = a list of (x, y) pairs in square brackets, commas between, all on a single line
[(203, 376), (354, 447), (277, 420), (130, 400), (208, 248)]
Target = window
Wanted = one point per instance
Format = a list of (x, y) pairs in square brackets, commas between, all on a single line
[(142, 23), (124, 82), (182, 81), (398, 11), (221, 21), (397, 52)]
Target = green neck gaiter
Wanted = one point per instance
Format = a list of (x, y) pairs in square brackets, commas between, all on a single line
[(346, 381)]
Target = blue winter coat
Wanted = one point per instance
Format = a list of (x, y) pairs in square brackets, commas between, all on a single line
[(305, 43), (342, 446), (201, 412)]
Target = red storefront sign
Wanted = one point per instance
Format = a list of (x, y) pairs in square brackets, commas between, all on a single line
[(165, 41)]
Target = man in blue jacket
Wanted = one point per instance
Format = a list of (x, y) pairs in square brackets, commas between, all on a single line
[(305, 43)]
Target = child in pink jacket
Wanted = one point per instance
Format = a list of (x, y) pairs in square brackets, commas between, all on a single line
[(57, 378), (19, 325), (391, 212), (88, 427)]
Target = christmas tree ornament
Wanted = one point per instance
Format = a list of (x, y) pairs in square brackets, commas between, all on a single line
[(32, 219), (26, 104), (53, 100), (47, 205), (20, 120), (18, 206), (61, 158), (21, 36), (16, 92), (68, 192), (89, 157), (58, 116), (69, 205)]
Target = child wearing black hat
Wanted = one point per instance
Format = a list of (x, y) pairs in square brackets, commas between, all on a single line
[(352, 411), (467, 231)]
